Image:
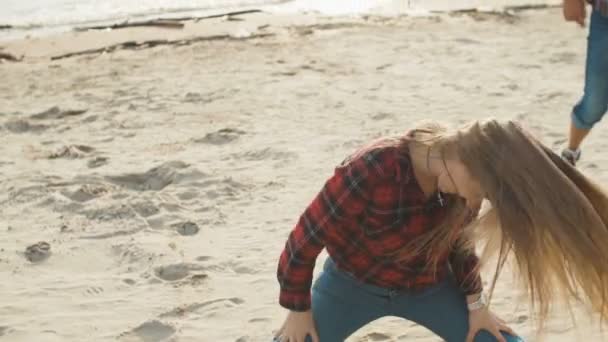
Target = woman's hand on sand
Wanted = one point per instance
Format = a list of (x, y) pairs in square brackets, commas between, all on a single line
[(297, 326), (575, 10), (484, 319)]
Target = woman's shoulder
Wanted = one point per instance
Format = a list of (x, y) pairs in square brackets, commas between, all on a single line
[(384, 158)]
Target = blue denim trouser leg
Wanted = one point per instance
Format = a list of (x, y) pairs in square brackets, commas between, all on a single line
[(592, 107), (341, 305)]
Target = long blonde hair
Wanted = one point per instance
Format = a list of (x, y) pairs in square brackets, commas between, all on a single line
[(544, 212), (445, 237)]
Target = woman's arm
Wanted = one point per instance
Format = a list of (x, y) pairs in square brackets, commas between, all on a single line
[(575, 10), (344, 196)]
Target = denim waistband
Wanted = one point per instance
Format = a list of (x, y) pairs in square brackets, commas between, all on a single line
[(331, 267)]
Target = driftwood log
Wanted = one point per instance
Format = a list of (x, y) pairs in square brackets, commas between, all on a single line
[(146, 44), (504, 9), (172, 23), (9, 57), (532, 7)]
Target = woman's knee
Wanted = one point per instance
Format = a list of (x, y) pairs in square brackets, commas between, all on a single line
[(589, 111)]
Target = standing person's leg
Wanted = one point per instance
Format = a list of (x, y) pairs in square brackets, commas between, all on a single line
[(594, 103), (341, 305), (443, 310)]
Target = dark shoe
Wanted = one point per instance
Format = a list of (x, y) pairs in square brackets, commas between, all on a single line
[(571, 156)]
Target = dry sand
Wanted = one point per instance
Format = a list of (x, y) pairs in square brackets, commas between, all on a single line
[(166, 180)]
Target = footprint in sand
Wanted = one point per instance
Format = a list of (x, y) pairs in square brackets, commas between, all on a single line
[(146, 208), (176, 272), (188, 195), (221, 137), (110, 213), (156, 179), (129, 254), (186, 228), (375, 336), (193, 97), (97, 162), (153, 331), (86, 193), (71, 152), (38, 252)]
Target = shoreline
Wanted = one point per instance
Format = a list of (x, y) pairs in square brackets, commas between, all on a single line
[(242, 24), (12, 30)]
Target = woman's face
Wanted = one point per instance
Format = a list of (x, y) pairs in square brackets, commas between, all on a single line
[(456, 179)]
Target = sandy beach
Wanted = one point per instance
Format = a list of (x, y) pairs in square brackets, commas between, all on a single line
[(165, 179)]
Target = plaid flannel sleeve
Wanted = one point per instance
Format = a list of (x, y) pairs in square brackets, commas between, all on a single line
[(344, 196)]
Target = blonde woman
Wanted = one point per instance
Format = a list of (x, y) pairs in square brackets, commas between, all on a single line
[(396, 218)]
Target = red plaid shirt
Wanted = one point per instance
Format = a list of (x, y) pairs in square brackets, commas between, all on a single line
[(370, 207)]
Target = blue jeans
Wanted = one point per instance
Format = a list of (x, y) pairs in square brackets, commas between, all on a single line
[(341, 305), (592, 107)]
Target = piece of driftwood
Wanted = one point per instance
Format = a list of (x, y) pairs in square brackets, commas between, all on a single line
[(532, 7), (133, 45), (504, 9), (174, 23), (6, 27), (229, 14), (108, 48), (219, 15), (9, 57)]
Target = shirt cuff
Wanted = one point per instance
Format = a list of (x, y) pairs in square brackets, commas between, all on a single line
[(295, 301)]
